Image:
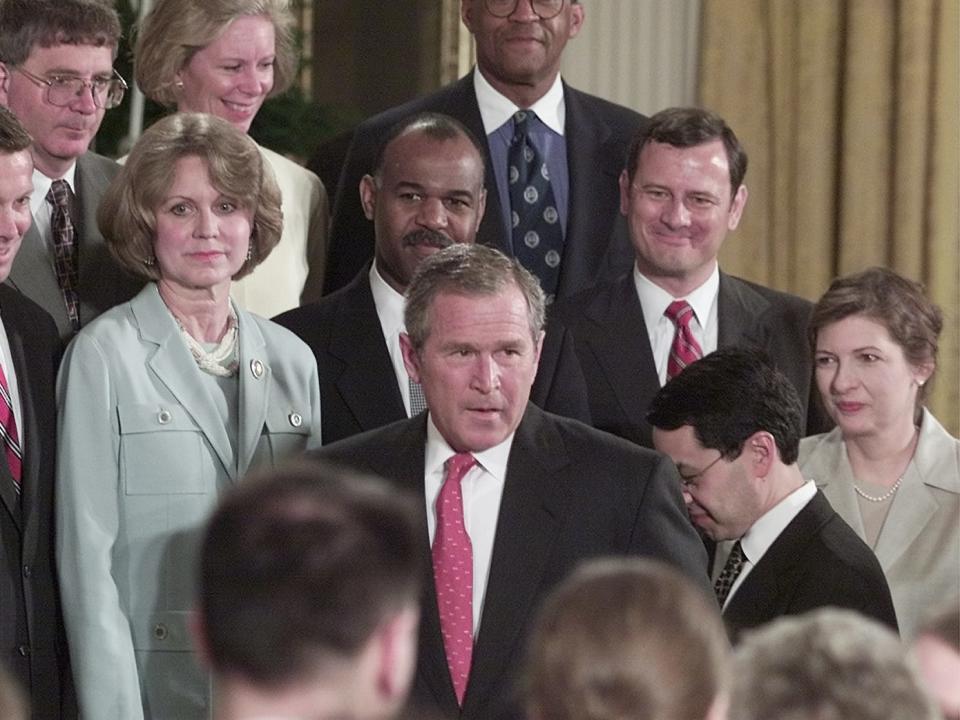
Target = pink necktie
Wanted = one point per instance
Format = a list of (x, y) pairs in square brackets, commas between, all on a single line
[(685, 348), (453, 573), (8, 429)]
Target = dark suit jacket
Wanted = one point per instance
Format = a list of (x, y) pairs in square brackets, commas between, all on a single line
[(818, 560), (614, 347), (32, 645), (358, 388), (571, 493), (598, 135), (103, 283)]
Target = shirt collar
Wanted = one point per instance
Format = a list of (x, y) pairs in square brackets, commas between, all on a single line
[(764, 532), (389, 303), (493, 460), (496, 109), (42, 183), (654, 299)]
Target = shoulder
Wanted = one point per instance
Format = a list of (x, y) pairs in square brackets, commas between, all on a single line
[(449, 99), (599, 300), (776, 301), (30, 318), (938, 455), (618, 116), (365, 449), (816, 450), (315, 319), (95, 166), (289, 172)]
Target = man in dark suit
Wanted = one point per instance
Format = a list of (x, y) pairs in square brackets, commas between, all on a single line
[(582, 139), (57, 77), (515, 496), (732, 424), (425, 193), (681, 192), (32, 644)]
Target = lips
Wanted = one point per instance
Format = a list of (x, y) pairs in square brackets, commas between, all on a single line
[(848, 406)]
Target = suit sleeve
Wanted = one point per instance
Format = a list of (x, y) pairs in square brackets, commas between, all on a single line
[(318, 231), (88, 523), (662, 529)]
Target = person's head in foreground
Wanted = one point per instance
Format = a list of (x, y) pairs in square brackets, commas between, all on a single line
[(937, 651), (628, 639), (828, 664), (308, 596)]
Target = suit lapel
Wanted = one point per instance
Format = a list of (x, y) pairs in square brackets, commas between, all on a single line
[(366, 384), (532, 511), (591, 164), (739, 313), (32, 274), (623, 350), (175, 367), (910, 510), (254, 376)]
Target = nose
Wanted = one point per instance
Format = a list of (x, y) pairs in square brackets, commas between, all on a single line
[(486, 375), (8, 225), (687, 497), (523, 11), (432, 214), (83, 101), (843, 378), (251, 82), (675, 214), (206, 225)]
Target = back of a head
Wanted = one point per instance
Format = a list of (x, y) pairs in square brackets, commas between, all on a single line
[(300, 567), (829, 664), (627, 639)]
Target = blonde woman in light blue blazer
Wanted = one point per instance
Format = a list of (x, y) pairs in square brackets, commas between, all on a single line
[(888, 468), (165, 401)]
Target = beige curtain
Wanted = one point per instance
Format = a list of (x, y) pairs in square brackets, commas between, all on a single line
[(849, 112)]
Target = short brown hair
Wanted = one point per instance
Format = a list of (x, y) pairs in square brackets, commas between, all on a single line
[(237, 169), (627, 638), (685, 127), (174, 30), (13, 136), (471, 270), (891, 300), (25, 24)]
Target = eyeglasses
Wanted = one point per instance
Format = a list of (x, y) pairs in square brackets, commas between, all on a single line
[(545, 9), (692, 480), (62, 90)]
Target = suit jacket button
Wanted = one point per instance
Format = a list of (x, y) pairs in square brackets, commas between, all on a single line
[(256, 368), (27, 571), (160, 631), (296, 420), (24, 650), (164, 417)]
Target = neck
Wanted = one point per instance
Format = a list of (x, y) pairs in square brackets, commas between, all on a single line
[(783, 481), (523, 95), (202, 313), (882, 458), (239, 700), (677, 285), (53, 168)]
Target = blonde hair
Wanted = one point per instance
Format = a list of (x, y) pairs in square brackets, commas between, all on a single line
[(126, 215), (174, 30)]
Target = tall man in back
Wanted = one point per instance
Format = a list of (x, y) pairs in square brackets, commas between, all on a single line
[(681, 192), (57, 77), (552, 153), (515, 496), (32, 642), (425, 193)]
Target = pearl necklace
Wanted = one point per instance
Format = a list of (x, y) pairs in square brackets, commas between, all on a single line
[(886, 496)]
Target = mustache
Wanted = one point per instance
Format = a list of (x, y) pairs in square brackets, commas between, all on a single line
[(428, 237)]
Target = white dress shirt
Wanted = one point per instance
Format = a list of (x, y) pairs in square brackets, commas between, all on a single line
[(390, 306), (654, 301), (481, 489), (42, 210), (764, 532)]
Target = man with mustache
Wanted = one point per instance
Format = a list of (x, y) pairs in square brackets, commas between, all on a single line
[(425, 193), (57, 77), (515, 101)]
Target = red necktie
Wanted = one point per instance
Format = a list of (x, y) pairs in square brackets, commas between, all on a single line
[(685, 348), (453, 573), (8, 429)]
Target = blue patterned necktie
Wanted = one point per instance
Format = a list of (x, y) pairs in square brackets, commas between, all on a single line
[(537, 235)]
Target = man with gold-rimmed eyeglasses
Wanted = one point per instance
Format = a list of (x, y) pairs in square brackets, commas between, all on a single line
[(552, 152), (57, 77)]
